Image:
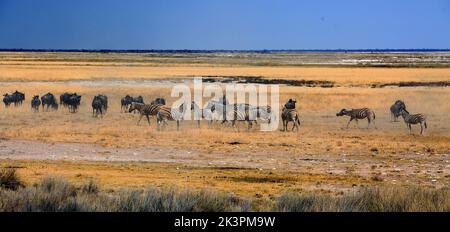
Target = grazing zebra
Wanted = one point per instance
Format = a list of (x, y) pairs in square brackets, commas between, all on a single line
[(290, 115), (200, 113), (165, 114), (35, 103), (145, 110), (414, 119), (396, 108), (356, 114)]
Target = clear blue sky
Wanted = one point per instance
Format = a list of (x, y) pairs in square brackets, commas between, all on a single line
[(225, 24)]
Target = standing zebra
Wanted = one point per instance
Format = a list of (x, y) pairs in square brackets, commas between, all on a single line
[(290, 115), (396, 108), (165, 114), (201, 113), (414, 119), (356, 114), (145, 110)]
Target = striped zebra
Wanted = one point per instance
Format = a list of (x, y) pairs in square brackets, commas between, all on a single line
[(265, 113), (145, 110), (290, 115), (356, 114), (165, 114), (200, 113), (414, 119), (219, 110)]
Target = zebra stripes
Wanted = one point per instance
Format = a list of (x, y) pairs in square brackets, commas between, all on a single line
[(145, 110), (414, 119), (290, 115), (356, 114), (165, 114)]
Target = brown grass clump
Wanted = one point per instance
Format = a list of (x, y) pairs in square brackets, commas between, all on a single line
[(370, 199), (55, 194), (9, 179)]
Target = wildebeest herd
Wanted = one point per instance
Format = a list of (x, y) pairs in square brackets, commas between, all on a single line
[(213, 110)]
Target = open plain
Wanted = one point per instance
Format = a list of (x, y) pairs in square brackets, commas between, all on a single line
[(323, 156)]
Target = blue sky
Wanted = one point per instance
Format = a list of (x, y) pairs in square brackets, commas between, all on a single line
[(226, 24)]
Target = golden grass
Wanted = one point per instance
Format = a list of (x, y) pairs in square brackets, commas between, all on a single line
[(352, 152), (17, 66)]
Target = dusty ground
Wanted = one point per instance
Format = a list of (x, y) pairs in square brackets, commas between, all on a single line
[(322, 156)]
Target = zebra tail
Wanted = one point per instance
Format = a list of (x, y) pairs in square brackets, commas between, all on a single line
[(425, 124)]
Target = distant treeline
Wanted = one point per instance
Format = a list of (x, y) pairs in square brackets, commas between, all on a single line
[(213, 51)]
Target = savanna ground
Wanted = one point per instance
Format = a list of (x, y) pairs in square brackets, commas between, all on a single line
[(322, 157)]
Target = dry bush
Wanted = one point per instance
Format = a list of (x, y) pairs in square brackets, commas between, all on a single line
[(370, 199), (54, 194), (9, 179)]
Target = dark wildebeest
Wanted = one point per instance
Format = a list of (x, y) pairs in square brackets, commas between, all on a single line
[(35, 103), (125, 102), (63, 98), (8, 99), (396, 109), (18, 98), (138, 99), (97, 106), (104, 100), (71, 100), (49, 100), (160, 101)]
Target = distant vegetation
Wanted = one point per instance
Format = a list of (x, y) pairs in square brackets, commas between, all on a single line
[(56, 194)]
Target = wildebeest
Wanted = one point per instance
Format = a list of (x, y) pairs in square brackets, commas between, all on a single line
[(126, 101), (17, 98), (8, 99), (35, 103), (138, 99), (97, 106), (104, 100), (70, 100), (49, 100), (396, 109), (159, 100)]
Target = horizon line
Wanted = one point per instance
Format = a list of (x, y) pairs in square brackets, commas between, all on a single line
[(226, 50)]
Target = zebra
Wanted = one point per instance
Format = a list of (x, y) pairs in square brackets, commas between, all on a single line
[(396, 108), (356, 114), (201, 113), (264, 113), (165, 114), (145, 110), (414, 119), (290, 115), (35, 103)]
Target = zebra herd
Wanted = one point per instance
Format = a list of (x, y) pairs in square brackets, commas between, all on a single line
[(213, 111)]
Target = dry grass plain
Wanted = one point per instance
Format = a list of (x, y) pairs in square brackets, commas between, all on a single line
[(322, 156)]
